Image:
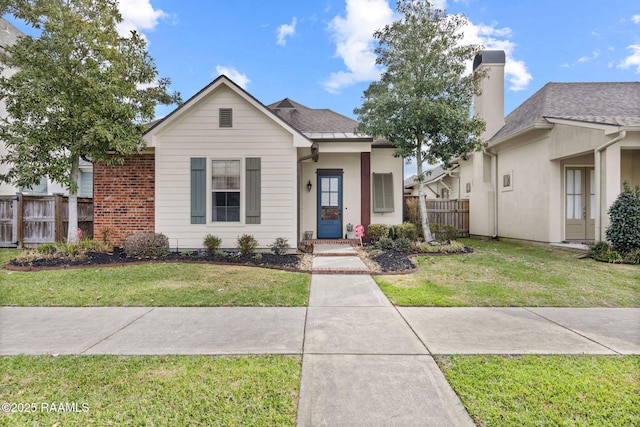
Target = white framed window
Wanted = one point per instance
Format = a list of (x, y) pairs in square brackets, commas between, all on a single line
[(225, 190), (468, 187), (40, 188), (383, 192), (507, 181), (444, 193)]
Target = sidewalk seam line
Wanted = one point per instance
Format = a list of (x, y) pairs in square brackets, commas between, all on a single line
[(571, 330), (119, 330)]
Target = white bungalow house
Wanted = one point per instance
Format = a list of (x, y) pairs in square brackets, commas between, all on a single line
[(554, 165), (225, 164), (439, 183)]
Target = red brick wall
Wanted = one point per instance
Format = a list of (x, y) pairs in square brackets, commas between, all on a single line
[(124, 197)]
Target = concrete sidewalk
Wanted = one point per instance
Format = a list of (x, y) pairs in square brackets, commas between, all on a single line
[(365, 362)]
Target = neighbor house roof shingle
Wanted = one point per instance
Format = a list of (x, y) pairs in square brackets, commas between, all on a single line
[(616, 103)]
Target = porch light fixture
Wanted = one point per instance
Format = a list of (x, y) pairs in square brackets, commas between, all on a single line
[(309, 185)]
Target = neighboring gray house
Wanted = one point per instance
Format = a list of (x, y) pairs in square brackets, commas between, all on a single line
[(555, 164), (8, 36), (439, 183)]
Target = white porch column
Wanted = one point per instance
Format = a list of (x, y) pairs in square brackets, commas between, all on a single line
[(611, 186)]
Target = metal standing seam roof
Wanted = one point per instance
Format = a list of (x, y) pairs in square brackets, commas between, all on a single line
[(608, 103)]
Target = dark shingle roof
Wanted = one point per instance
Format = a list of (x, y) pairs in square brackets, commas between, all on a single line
[(616, 103), (307, 119), (8, 33)]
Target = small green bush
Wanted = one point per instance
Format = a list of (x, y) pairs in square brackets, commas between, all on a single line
[(450, 248), (377, 231), (624, 230), (407, 230), (146, 245), (632, 257), (385, 243), (280, 246), (603, 251), (46, 248), (212, 243), (443, 233), (403, 245), (247, 244)]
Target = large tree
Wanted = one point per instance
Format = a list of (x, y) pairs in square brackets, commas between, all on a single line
[(76, 90), (422, 102)]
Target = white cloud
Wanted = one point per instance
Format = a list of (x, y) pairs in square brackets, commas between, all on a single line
[(634, 59), (493, 38), (353, 35), (586, 58), (636, 19), (286, 30), (138, 15), (238, 78)]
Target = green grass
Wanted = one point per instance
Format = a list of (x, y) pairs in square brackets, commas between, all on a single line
[(507, 274), (152, 390), (157, 285), (547, 390)]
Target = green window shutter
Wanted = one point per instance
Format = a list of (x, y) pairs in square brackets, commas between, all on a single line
[(383, 192), (198, 190), (253, 190)]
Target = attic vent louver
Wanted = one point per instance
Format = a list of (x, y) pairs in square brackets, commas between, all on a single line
[(285, 103), (226, 118)]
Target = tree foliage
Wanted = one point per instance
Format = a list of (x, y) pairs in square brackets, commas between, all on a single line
[(77, 90), (624, 230), (421, 104)]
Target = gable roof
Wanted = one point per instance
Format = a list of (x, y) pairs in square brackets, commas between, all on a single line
[(8, 33), (299, 139), (317, 124), (614, 103)]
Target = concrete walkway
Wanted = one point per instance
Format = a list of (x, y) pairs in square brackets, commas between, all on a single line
[(365, 362)]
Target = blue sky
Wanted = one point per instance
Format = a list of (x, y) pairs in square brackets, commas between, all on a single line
[(319, 53)]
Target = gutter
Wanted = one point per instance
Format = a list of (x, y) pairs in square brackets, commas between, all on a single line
[(598, 172), (494, 158)]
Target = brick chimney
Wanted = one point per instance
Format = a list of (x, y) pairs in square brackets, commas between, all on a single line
[(490, 104)]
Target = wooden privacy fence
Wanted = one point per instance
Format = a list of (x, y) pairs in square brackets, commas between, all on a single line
[(31, 220), (454, 213)]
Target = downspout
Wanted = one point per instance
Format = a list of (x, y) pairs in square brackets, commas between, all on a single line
[(315, 153), (494, 158), (598, 172)]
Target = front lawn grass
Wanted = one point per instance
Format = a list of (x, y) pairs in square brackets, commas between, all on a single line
[(151, 390), (155, 285), (547, 390), (500, 274)]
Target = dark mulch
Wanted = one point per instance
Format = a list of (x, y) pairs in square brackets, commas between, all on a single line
[(393, 261), (118, 257)]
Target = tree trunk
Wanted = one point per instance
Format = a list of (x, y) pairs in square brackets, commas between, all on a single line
[(422, 202), (72, 234)]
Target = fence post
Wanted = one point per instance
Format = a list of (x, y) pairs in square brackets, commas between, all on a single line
[(19, 222), (57, 233)]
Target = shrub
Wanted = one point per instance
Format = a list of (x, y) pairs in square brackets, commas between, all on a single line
[(632, 257), (407, 230), (146, 245), (624, 231), (603, 251), (385, 243), (443, 233), (46, 248), (211, 243), (403, 245), (247, 244), (377, 231), (280, 246), (450, 248)]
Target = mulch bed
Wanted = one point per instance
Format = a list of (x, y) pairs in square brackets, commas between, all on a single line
[(118, 257)]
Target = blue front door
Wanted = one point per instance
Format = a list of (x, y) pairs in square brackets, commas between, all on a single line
[(329, 206)]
